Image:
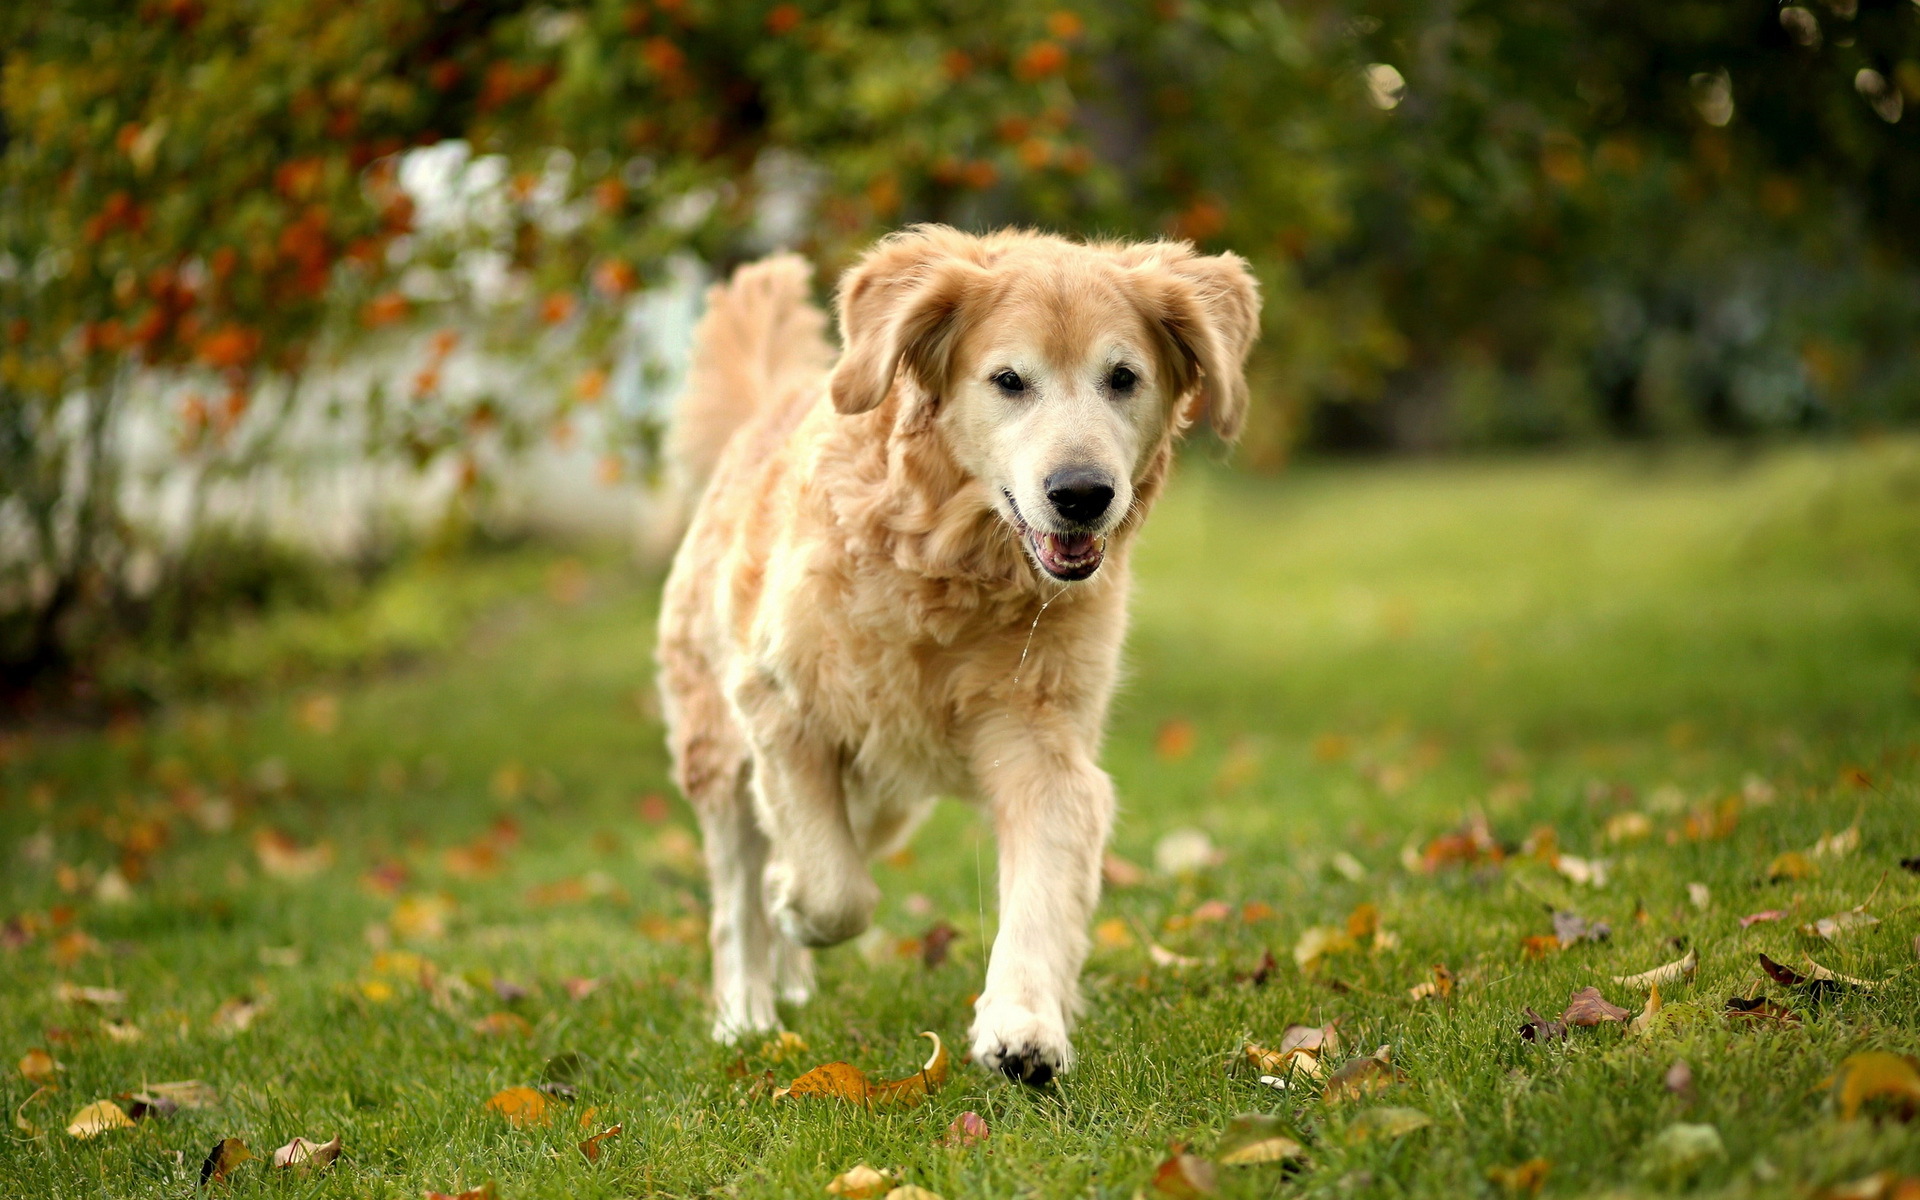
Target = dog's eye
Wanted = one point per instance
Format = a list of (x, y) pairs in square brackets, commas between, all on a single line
[(1010, 383), (1122, 379)]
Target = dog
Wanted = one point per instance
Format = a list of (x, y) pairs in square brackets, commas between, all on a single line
[(905, 576)]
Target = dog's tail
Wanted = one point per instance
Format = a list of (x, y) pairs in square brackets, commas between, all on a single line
[(761, 337)]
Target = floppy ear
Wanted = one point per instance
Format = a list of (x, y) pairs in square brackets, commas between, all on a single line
[(900, 308), (1210, 310)]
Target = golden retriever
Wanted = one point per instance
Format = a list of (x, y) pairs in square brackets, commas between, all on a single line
[(853, 625)]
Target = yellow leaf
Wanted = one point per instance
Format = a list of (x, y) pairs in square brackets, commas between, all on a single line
[(1525, 1178), (834, 1080), (591, 1147), (860, 1182), (97, 1118), (1113, 934), (1878, 1076), (226, 1155), (788, 1045), (521, 1106), (38, 1066)]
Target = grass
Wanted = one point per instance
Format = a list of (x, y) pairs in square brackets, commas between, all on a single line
[(1361, 656)]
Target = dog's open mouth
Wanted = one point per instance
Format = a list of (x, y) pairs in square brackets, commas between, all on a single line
[(1065, 556)]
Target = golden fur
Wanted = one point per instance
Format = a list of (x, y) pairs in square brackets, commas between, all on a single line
[(853, 625)]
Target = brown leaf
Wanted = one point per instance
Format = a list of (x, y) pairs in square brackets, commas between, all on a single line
[(1879, 1078), (1252, 1138), (1792, 865), (283, 858), (1362, 1077), (1537, 1028), (503, 1024), (908, 1092), (98, 997), (1540, 946), (307, 1155), (1588, 1008), (523, 1107), (1321, 1040), (1521, 1180), (591, 1147), (967, 1129), (844, 1081), (1440, 985), (1175, 740), (1570, 929), (39, 1066), (1760, 1012), (1752, 919), (221, 1161), (861, 1182), (934, 943), (1184, 1176), (579, 989), (1850, 921)]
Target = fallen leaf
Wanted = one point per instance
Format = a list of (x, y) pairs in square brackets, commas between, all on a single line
[(1314, 1039), (1185, 852), (1362, 1077), (20, 1120), (1642, 1024), (1540, 945), (1470, 845), (1256, 1138), (97, 1118), (1699, 896), (421, 917), (1628, 827), (591, 1146), (1184, 1176), (187, 1093), (1678, 970), (1880, 1078), (225, 1157), (1163, 957), (861, 1182), (1586, 872), (1440, 985), (579, 989), (1839, 923), (1790, 866), (967, 1129), (307, 1155), (1571, 928), (1771, 914), (1120, 873), (98, 997), (486, 1191), (1388, 1123), (1524, 1178), (1175, 740), (844, 1081), (1881, 1185), (1760, 1012), (786, 1045), (934, 943), (1537, 1028), (1319, 941), (1261, 970), (1588, 1008), (913, 1192), (1679, 1079), (1837, 845), (521, 1106), (503, 1024), (39, 1066), (236, 1015), (1680, 1150), (283, 858), (1113, 934)]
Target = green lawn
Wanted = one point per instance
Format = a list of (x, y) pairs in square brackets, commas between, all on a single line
[(1362, 656)]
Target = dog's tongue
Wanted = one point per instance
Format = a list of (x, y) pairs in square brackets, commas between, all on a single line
[(1070, 545)]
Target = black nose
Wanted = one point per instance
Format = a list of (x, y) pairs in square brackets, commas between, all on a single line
[(1080, 494)]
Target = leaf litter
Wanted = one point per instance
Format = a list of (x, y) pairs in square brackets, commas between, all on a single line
[(844, 1081)]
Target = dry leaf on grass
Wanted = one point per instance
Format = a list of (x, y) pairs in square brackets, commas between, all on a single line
[(1440, 985), (1851, 921), (1537, 1028), (1881, 1185), (861, 1182), (1760, 1013), (1819, 982), (911, 1192), (523, 1107), (1184, 1175), (1388, 1123), (1163, 957), (1789, 867), (97, 1118), (1252, 1138), (592, 1146), (1185, 852), (306, 1155), (97, 997), (1121, 873), (1362, 1077), (844, 1081), (967, 1129), (786, 1045), (935, 942), (225, 1157), (39, 1066), (1522, 1179), (1752, 919), (1570, 929), (1888, 1082), (236, 1015), (1588, 1008), (124, 1033), (502, 1024), (1679, 969), (1644, 1023), (1836, 845), (283, 858), (486, 1191)]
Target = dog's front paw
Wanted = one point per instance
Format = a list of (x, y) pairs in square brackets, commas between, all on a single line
[(1020, 1043), (815, 911)]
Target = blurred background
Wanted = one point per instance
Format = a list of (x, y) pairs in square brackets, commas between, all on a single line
[(294, 293)]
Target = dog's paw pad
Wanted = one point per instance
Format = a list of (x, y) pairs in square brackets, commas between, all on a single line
[(1021, 1045)]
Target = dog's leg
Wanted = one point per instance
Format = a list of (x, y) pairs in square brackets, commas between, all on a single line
[(1052, 808), (792, 969), (818, 888), (742, 940)]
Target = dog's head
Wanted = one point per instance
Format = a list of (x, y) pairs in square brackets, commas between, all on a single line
[(1056, 371)]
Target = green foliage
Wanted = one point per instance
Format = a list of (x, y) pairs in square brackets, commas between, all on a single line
[(1493, 222)]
